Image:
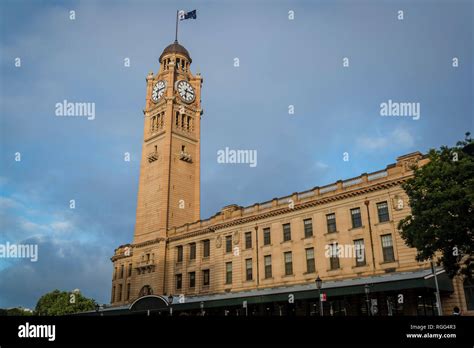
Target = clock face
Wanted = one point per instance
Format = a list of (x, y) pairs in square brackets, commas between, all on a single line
[(158, 90), (185, 91)]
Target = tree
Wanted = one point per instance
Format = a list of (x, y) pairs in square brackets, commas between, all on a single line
[(441, 195), (63, 303)]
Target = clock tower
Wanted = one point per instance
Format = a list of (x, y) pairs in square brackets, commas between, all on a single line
[(169, 189)]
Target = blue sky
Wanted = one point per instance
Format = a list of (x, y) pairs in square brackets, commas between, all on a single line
[(282, 63)]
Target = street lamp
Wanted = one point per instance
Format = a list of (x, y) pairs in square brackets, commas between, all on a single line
[(170, 302), (367, 292), (319, 285)]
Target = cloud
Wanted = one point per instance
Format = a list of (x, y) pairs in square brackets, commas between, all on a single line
[(8, 203), (61, 264), (399, 137), (320, 165)]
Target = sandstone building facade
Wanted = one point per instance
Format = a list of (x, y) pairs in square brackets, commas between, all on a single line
[(265, 258)]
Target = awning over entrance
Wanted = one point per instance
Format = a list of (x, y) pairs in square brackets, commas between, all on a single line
[(381, 283)]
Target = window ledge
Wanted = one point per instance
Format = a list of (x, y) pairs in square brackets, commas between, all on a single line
[(309, 273), (361, 266), (334, 270), (331, 233), (389, 263), (357, 228), (288, 276), (287, 241), (382, 223)]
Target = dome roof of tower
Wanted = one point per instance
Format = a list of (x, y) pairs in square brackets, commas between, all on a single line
[(175, 47)]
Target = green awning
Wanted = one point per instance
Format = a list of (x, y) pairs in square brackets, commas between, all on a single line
[(381, 283)]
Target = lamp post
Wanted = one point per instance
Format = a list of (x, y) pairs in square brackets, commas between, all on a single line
[(367, 292), (170, 302), (319, 285), (438, 297)]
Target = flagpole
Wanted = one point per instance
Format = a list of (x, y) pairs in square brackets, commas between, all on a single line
[(176, 37)]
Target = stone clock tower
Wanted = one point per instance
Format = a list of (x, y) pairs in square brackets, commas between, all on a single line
[(169, 190)]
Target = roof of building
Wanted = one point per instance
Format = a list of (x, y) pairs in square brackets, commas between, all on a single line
[(175, 47)]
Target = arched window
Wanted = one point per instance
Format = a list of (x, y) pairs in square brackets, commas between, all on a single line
[(177, 119), (469, 294), (146, 290), (189, 123)]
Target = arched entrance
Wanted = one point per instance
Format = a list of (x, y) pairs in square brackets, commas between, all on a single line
[(149, 302)]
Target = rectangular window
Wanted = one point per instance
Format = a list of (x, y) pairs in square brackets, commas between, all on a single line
[(115, 274), (206, 279), (248, 269), (179, 281), (121, 271), (356, 218), (180, 253), (228, 244), (128, 291), (359, 249), (129, 269), (288, 263), (120, 293), (228, 273), (192, 251), (308, 227), (248, 240), (268, 266), (310, 264), (382, 210), (266, 236), (286, 232), (331, 222), (334, 257), (192, 279), (206, 248), (113, 294), (387, 248)]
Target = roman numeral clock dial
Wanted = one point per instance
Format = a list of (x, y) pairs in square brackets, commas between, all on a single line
[(185, 91), (158, 90)]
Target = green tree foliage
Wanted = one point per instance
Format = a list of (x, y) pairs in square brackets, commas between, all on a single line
[(441, 195), (63, 303), (14, 312)]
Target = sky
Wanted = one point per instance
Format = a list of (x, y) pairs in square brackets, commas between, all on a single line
[(282, 62)]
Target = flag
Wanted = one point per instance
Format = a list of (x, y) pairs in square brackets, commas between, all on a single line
[(182, 15)]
